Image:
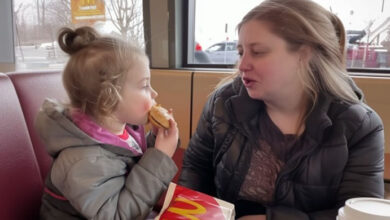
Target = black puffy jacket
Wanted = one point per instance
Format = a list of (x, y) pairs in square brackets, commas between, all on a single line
[(341, 155)]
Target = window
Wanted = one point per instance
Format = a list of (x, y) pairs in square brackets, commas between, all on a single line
[(37, 23), (222, 53), (367, 24)]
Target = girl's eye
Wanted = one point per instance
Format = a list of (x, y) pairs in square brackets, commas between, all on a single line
[(146, 86)]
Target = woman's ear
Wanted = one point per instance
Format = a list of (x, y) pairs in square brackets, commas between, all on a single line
[(305, 53)]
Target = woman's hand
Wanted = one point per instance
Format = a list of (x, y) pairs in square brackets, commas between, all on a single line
[(166, 139), (253, 217)]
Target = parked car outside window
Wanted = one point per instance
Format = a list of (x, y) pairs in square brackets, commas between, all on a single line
[(223, 52)]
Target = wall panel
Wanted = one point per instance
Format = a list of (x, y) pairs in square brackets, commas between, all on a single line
[(174, 89)]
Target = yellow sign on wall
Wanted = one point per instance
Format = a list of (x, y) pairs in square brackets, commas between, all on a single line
[(87, 11)]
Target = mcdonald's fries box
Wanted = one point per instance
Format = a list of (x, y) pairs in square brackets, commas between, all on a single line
[(183, 203)]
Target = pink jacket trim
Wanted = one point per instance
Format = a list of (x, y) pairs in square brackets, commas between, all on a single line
[(92, 129), (52, 194)]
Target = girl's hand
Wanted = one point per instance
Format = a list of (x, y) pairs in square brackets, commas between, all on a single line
[(166, 140), (154, 130)]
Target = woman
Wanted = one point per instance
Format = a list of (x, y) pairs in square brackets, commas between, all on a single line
[(289, 136)]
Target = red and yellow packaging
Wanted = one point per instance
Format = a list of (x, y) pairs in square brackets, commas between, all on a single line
[(185, 204)]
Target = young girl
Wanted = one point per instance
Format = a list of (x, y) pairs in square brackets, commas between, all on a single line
[(103, 167)]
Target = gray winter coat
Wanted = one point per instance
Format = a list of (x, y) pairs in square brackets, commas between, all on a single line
[(340, 157), (97, 181)]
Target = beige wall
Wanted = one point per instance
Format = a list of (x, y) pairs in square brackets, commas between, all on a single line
[(174, 91), (376, 91)]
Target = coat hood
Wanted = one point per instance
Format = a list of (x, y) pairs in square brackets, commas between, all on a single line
[(57, 130)]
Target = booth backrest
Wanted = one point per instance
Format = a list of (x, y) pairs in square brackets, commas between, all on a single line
[(24, 161), (32, 88), (21, 183)]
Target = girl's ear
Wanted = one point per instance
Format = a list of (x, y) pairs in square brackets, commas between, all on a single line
[(305, 53)]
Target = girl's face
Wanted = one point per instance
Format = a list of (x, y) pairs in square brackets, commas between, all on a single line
[(137, 95), (267, 68)]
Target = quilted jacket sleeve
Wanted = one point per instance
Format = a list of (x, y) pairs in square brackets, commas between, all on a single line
[(197, 167), (363, 174), (99, 187)]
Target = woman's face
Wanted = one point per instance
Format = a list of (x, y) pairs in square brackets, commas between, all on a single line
[(137, 95), (267, 68)]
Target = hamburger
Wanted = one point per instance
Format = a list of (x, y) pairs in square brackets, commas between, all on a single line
[(159, 116)]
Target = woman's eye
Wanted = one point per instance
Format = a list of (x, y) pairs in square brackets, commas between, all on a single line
[(253, 53), (259, 53)]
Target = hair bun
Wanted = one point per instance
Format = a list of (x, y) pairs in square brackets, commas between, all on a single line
[(72, 41)]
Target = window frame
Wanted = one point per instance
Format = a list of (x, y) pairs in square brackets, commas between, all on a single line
[(188, 37)]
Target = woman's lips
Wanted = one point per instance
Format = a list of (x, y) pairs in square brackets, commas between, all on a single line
[(247, 82)]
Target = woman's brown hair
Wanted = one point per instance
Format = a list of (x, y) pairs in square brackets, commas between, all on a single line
[(304, 22)]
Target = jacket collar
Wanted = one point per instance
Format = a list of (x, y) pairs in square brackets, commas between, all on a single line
[(244, 109), (318, 119), (101, 135)]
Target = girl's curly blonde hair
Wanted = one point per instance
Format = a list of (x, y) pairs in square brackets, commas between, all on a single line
[(96, 70)]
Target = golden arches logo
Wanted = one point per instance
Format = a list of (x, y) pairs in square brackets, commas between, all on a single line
[(188, 213), (88, 2)]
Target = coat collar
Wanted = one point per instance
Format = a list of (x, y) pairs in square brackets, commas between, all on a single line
[(101, 135), (244, 109), (318, 119), (241, 106)]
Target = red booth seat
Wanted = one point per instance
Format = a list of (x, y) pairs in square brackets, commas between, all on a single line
[(21, 182), (24, 161)]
